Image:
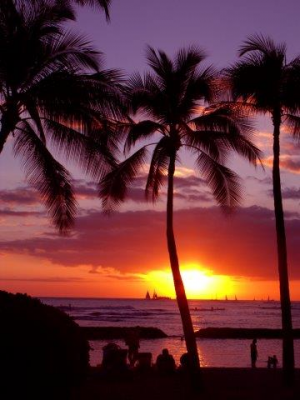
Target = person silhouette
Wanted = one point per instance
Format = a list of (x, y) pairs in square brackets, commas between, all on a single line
[(272, 361), (132, 340), (184, 362), (253, 353), (165, 362)]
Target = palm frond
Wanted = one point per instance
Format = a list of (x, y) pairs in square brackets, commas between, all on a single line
[(159, 62), (103, 4), (223, 128), (201, 86), (187, 61), (66, 52), (142, 92), (264, 45), (48, 176), (74, 97), (113, 187), (91, 153), (290, 88), (158, 168), (292, 123), (225, 184), (140, 130), (34, 114)]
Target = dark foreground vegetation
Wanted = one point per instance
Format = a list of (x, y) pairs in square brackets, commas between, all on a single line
[(42, 350)]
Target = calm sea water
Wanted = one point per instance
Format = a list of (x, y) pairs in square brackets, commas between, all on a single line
[(164, 314)]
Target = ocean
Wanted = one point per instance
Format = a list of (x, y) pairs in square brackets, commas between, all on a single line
[(164, 314)]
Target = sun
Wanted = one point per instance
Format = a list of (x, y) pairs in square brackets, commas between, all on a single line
[(199, 282), (196, 281)]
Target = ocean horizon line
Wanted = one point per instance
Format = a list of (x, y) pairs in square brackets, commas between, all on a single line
[(156, 300)]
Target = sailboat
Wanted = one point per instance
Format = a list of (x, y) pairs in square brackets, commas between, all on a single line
[(156, 297)]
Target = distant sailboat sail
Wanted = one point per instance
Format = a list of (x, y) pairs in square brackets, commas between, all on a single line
[(156, 297)]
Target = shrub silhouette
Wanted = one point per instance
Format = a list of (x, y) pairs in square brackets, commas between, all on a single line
[(42, 350)]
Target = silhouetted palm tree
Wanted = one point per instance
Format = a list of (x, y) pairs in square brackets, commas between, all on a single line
[(170, 98), (51, 86), (103, 4), (269, 85)]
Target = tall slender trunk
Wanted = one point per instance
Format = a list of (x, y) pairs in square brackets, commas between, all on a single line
[(183, 306), (286, 315)]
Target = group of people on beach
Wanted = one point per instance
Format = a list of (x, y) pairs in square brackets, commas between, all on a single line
[(272, 361), (115, 358), (165, 363)]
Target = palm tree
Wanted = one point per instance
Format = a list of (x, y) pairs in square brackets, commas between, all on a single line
[(102, 4), (264, 81), (169, 98), (53, 91)]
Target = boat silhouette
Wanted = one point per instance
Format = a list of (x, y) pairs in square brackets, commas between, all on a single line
[(156, 297)]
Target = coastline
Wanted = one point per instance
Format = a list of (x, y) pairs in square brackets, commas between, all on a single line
[(113, 332)]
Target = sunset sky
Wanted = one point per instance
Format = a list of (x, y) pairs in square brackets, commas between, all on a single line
[(125, 255)]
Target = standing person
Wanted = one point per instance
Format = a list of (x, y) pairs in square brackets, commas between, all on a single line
[(133, 342), (253, 353)]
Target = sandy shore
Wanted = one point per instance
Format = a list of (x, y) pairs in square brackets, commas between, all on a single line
[(225, 384)]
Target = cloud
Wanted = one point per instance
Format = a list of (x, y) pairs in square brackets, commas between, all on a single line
[(287, 163), (20, 196), (263, 181), (85, 190), (243, 244), (111, 273), (291, 164), (45, 280), (12, 213), (291, 193)]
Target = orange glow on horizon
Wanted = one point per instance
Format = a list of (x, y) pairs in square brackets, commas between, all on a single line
[(198, 282), (25, 274)]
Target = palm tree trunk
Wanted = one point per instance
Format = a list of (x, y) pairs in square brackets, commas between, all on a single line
[(288, 344), (183, 306)]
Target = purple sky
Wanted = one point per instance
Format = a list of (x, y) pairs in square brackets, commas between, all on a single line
[(219, 27)]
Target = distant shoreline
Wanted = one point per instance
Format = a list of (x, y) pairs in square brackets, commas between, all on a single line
[(109, 333), (171, 299)]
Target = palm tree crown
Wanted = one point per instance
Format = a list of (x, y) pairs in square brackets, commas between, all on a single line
[(52, 91), (172, 99), (265, 79)]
